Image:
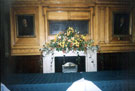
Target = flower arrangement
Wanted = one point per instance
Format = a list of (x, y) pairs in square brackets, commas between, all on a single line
[(67, 41)]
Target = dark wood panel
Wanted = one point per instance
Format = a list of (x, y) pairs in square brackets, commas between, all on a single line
[(116, 61), (106, 61), (28, 64)]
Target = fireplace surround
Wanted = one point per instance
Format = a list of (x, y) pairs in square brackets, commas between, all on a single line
[(90, 60)]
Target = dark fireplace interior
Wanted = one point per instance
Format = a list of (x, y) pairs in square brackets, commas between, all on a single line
[(78, 60)]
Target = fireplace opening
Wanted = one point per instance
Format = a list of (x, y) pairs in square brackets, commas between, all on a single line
[(73, 62)]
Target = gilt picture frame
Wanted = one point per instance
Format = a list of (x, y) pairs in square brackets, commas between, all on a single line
[(121, 24), (25, 25), (21, 43)]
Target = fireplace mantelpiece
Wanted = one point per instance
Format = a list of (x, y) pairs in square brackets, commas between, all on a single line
[(90, 60)]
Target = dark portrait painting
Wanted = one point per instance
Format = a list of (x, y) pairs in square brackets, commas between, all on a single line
[(121, 24), (25, 26)]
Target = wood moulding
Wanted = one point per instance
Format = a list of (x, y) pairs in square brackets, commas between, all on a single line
[(25, 51), (25, 45)]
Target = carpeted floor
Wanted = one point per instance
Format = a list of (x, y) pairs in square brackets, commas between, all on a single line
[(106, 81)]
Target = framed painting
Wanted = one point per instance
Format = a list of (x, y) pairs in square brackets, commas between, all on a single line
[(25, 33), (25, 25), (121, 24)]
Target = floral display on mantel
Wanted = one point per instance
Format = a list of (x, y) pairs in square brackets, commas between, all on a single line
[(67, 41)]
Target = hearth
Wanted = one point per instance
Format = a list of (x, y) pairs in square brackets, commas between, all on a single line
[(69, 67), (68, 64)]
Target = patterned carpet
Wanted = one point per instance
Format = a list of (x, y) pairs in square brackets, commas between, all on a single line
[(106, 81)]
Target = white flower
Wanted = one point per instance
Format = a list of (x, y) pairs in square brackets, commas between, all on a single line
[(69, 40), (59, 37)]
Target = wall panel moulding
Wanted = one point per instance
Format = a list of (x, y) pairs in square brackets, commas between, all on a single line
[(26, 2), (113, 1), (68, 1)]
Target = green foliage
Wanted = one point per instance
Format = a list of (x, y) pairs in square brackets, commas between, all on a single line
[(69, 41)]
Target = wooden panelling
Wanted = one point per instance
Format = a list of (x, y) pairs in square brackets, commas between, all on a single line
[(103, 30), (64, 15), (26, 51), (68, 14), (67, 1), (99, 13), (95, 31), (116, 61), (79, 15), (27, 64), (107, 25), (101, 24), (58, 15), (27, 44), (133, 25), (26, 0), (116, 48)]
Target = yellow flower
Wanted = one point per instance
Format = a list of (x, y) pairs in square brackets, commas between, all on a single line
[(72, 38), (62, 46), (70, 28), (83, 37), (60, 43), (63, 42), (55, 38), (76, 36), (76, 43), (57, 35), (68, 32)]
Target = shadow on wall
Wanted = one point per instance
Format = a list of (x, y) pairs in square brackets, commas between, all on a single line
[(6, 66)]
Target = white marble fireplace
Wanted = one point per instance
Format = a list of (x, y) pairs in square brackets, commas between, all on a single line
[(90, 60)]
